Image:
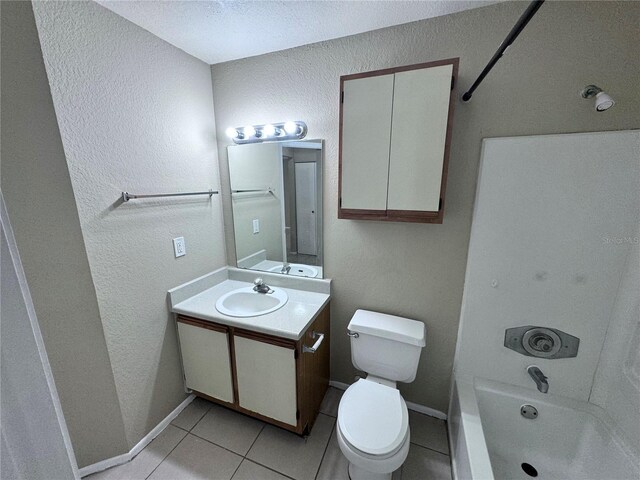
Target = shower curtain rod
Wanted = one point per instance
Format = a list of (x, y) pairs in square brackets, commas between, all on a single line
[(513, 34)]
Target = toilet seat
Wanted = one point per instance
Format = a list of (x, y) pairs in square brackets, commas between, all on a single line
[(373, 418)]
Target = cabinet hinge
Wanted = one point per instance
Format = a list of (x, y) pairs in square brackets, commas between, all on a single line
[(342, 97), (453, 81), (340, 202), (297, 414), (295, 353), (440, 205)]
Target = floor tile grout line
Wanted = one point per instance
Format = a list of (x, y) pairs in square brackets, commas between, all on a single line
[(255, 440), (200, 419), (165, 457), (217, 445), (326, 447), (429, 448), (267, 467), (183, 429), (328, 414), (236, 470)]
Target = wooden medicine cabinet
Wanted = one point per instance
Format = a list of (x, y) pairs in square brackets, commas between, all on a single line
[(395, 137)]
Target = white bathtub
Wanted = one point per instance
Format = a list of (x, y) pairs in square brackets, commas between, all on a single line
[(490, 439)]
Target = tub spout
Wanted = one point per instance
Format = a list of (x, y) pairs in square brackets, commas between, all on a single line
[(538, 377)]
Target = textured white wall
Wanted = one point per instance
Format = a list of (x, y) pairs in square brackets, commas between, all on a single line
[(135, 114), (39, 196), (418, 270)]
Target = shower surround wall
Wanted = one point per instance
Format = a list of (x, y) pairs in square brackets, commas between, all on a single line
[(136, 114), (415, 270), (554, 243), (544, 251), (616, 385)]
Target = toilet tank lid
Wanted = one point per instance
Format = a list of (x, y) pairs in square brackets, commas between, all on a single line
[(388, 326)]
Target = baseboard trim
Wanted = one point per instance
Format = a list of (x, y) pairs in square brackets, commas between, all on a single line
[(146, 440), (416, 407), (432, 412)]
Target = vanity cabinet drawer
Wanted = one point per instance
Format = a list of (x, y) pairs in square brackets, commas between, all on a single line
[(266, 375), (205, 359)]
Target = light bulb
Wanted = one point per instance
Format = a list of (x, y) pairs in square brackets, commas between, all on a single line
[(232, 132), (290, 128), (269, 130), (249, 131)]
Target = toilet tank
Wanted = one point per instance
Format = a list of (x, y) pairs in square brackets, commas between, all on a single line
[(386, 346)]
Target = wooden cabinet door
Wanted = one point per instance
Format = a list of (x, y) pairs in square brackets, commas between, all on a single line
[(313, 372), (418, 134), (206, 360), (266, 374), (366, 122)]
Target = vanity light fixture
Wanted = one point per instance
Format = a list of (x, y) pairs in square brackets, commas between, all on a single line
[(273, 132)]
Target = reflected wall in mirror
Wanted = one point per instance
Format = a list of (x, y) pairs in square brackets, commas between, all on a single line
[(276, 199)]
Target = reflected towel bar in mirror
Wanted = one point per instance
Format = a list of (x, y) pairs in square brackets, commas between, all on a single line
[(268, 190)]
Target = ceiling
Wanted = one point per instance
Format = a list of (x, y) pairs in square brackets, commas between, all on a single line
[(219, 31)]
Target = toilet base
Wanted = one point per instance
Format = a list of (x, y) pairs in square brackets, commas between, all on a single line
[(367, 468), (357, 473)]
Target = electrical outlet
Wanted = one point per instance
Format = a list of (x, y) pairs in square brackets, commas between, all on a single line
[(256, 225), (179, 247)]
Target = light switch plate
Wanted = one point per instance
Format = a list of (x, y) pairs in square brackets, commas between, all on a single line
[(256, 225), (179, 247)]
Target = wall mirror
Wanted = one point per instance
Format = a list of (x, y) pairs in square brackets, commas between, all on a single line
[(276, 198)]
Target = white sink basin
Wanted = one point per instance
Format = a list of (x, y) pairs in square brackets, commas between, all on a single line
[(244, 302), (298, 270)]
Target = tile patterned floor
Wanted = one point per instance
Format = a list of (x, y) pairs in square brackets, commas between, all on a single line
[(208, 441)]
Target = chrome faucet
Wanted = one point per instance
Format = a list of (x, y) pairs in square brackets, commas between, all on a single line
[(261, 287), (538, 377), (285, 269)]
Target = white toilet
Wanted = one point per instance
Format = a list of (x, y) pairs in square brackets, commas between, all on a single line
[(373, 423)]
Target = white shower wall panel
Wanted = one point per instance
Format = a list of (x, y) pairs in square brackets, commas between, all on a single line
[(549, 243)]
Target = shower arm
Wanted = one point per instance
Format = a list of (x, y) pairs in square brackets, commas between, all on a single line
[(513, 34)]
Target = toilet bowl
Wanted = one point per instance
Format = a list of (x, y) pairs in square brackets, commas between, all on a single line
[(373, 430), (373, 421)]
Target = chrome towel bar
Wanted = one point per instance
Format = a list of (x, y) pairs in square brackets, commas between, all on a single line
[(126, 196)]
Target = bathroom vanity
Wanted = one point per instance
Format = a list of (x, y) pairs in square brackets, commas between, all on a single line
[(273, 366)]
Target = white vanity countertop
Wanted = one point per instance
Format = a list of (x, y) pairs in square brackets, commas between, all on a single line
[(306, 300)]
